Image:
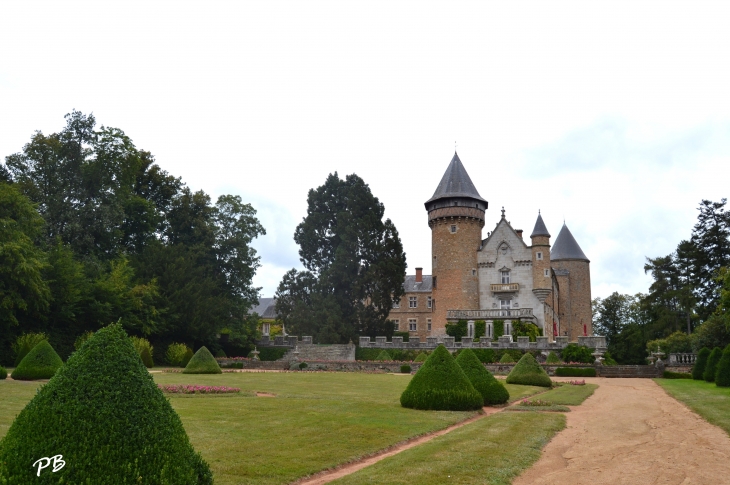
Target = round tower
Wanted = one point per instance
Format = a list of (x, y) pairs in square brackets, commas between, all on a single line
[(541, 281), (572, 269), (456, 218)]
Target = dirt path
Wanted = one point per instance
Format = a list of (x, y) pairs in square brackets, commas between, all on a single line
[(330, 475), (631, 432)]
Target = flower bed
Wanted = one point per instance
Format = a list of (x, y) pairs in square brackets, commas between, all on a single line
[(577, 383), (191, 389), (535, 402)]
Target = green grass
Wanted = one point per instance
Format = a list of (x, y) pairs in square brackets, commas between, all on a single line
[(704, 398), (554, 408), (517, 392), (316, 421), (493, 450), (568, 395)]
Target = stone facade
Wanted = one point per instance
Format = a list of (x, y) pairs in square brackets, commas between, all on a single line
[(501, 277), (414, 313)]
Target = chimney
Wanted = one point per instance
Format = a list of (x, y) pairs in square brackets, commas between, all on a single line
[(419, 275), (519, 232)]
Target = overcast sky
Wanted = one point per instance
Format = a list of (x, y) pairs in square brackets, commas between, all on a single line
[(612, 116)]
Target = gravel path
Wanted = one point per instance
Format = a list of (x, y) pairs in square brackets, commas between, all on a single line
[(632, 432)]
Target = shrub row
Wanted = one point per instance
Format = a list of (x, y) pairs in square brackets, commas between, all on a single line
[(575, 372), (676, 375)]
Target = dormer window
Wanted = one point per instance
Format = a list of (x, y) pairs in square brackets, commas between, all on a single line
[(505, 277)]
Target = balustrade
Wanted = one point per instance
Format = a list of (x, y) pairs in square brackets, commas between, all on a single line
[(682, 359)]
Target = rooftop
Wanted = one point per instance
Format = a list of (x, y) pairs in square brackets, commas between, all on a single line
[(455, 183)]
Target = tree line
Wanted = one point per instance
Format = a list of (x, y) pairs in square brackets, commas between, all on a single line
[(686, 307), (93, 231)]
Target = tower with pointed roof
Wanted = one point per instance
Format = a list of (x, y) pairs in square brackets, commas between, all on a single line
[(572, 270), (456, 217)]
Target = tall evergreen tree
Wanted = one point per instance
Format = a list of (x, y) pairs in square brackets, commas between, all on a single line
[(354, 263)]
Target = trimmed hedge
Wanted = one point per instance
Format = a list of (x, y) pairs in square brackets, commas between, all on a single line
[(577, 353), (722, 374), (3, 373), (202, 362), (699, 368), (175, 353), (553, 358), (575, 372), (440, 384), (221, 353), (421, 357), (384, 355), (41, 362), (483, 381), (405, 369), (270, 354), (676, 375), (709, 374), (506, 359), (104, 413), (25, 344), (187, 356), (528, 372)]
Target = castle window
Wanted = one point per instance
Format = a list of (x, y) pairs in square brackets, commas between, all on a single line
[(412, 302), (396, 324), (547, 272), (453, 228), (428, 324), (473, 272), (539, 255), (396, 304), (412, 325), (505, 277), (428, 302)]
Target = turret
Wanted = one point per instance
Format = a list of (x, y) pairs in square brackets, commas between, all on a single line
[(542, 285), (572, 269), (456, 218)]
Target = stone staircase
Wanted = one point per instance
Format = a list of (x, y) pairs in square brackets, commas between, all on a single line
[(322, 352), (644, 371)]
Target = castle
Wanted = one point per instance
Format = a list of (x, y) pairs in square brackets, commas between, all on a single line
[(497, 279)]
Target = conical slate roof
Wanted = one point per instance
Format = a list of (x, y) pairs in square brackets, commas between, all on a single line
[(540, 229), (455, 183), (566, 247)]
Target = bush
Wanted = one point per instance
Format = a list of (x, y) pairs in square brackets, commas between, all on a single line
[(383, 356), (498, 329), (526, 329), (187, 358), (270, 354), (25, 344), (176, 354), (709, 374), (104, 413), (146, 357), (608, 359), (221, 354), (722, 374), (303, 365), (440, 384), (553, 358), (486, 356), (3, 373), (202, 362), (676, 375), (676, 343), (41, 362), (406, 335), (577, 353), (405, 355), (492, 391), (698, 369), (405, 369), (506, 359), (81, 339), (421, 357), (457, 330), (528, 372), (575, 372)]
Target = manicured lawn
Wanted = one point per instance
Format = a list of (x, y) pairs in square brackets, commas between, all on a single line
[(568, 395), (520, 392), (316, 421), (704, 398), (493, 450)]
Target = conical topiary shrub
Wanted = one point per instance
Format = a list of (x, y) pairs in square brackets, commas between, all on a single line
[(384, 355), (105, 416), (715, 356), (421, 357), (483, 381), (147, 358), (40, 363), (553, 358), (506, 359), (699, 368), (186, 357), (528, 372), (202, 362), (722, 374), (440, 384)]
